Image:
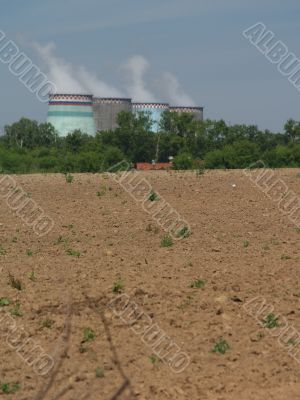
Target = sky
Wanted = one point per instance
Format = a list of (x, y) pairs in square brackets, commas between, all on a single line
[(189, 52)]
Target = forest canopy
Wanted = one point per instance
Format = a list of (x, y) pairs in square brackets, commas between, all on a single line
[(28, 146)]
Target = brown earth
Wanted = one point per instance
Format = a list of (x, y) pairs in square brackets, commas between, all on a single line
[(241, 245)]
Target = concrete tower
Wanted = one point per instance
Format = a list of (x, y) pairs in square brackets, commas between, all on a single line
[(106, 111), (196, 111), (68, 112), (155, 110)]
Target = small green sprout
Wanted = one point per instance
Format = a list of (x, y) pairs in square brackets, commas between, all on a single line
[(221, 346), (88, 335), (271, 321), (118, 286), (153, 196), (198, 283), (4, 301), (166, 241)]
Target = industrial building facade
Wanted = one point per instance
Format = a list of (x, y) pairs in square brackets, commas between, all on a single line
[(155, 109), (69, 112), (106, 111)]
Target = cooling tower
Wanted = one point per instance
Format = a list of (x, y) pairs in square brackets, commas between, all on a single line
[(196, 111), (155, 110), (106, 111), (68, 112)]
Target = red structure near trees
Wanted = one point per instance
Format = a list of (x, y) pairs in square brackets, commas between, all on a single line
[(153, 167)]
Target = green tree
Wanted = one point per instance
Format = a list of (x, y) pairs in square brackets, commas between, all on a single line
[(133, 137), (183, 161), (111, 157), (292, 131), (76, 141), (29, 134), (215, 159), (46, 136), (23, 133)]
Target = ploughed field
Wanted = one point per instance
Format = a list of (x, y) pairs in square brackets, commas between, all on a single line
[(63, 296)]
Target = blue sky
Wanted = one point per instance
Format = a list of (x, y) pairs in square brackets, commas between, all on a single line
[(195, 43)]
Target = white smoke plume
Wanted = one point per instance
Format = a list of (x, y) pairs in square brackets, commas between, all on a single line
[(96, 86), (58, 71), (172, 91), (69, 79), (135, 69)]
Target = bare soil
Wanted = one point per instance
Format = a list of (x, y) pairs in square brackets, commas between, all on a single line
[(241, 245)]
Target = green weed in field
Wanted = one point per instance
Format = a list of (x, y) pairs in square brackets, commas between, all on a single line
[(15, 283), (221, 346), (118, 286), (88, 335), (166, 241), (271, 321), (198, 283)]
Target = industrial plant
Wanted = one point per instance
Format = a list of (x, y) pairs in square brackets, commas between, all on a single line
[(68, 112)]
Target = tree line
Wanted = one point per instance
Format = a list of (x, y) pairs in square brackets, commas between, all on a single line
[(28, 146)]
